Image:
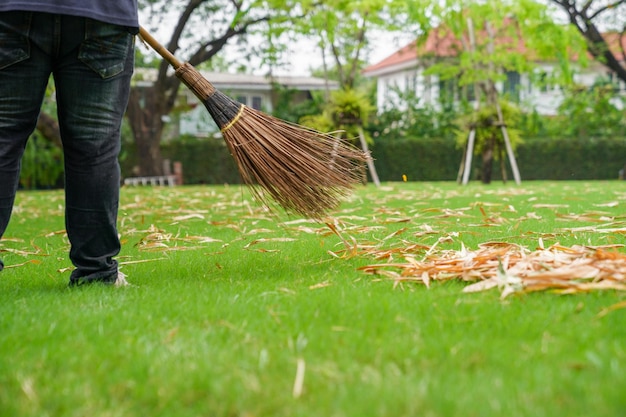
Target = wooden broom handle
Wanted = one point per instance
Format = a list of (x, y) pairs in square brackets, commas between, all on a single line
[(160, 49)]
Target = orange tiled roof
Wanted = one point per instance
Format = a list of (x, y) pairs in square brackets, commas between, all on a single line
[(442, 43), (439, 43)]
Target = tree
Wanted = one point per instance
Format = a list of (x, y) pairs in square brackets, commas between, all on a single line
[(343, 29), (48, 127), (588, 16), (200, 30), (493, 38)]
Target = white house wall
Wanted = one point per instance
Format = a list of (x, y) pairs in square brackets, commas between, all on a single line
[(545, 100), (426, 87), (198, 122)]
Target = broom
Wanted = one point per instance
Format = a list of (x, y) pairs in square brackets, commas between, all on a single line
[(302, 170)]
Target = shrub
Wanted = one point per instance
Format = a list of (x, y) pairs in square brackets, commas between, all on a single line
[(42, 164)]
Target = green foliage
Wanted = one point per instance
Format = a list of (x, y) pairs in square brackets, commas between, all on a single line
[(346, 111), (42, 164), (592, 113), (320, 122), (434, 159), (411, 119), (349, 107), (513, 23), (584, 113), (533, 124), (419, 159), (485, 121), (343, 30), (205, 161), (571, 158), (284, 107)]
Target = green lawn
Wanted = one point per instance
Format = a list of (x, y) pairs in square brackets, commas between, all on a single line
[(235, 311)]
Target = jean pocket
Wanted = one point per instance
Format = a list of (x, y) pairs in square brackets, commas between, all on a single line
[(14, 44), (105, 48)]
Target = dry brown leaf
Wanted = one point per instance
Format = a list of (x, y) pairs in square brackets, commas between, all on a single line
[(389, 220), (58, 232), (258, 231), (22, 252), (188, 217), (199, 239), (11, 239), (269, 239), (320, 285), (609, 204), (31, 261), (609, 309), (550, 205)]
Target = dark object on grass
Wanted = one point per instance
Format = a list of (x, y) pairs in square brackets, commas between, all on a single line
[(301, 169)]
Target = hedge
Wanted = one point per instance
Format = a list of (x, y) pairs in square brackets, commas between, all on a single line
[(208, 161), (205, 161)]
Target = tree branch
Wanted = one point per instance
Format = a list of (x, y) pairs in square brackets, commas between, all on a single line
[(176, 35), (596, 43), (49, 128), (603, 9), (360, 39)]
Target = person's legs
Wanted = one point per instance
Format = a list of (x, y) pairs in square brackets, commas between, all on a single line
[(24, 73), (92, 76)]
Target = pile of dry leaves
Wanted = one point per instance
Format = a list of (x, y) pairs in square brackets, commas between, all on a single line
[(513, 268)]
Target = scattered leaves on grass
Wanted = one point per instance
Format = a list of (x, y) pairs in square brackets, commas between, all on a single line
[(158, 240), (505, 264), (412, 235)]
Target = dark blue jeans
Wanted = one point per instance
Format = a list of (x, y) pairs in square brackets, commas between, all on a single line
[(91, 63)]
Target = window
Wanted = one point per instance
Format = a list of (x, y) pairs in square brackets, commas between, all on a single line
[(512, 84), (410, 82), (255, 102), (427, 89), (448, 89), (469, 92), (616, 82), (544, 80)]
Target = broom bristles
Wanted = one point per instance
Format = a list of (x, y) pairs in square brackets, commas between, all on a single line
[(300, 169)]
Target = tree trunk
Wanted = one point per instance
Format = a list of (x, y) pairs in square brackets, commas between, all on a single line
[(487, 167), (369, 160), (597, 44), (145, 115), (502, 164), (49, 128)]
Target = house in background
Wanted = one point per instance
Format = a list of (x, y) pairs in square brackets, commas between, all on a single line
[(255, 91), (405, 71)]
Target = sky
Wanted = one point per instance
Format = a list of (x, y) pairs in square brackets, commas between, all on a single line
[(307, 55), (303, 57)]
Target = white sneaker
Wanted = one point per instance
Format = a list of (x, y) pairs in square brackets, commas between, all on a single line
[(121, 280)]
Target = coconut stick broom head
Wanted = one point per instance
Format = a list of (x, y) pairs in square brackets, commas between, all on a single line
[(302, 170)]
